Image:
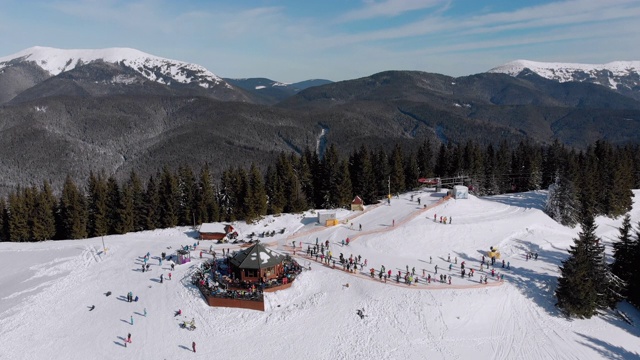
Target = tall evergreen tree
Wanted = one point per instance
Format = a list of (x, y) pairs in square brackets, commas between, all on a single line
[(258, 196), (113, 202), (562, 204), (343, 185), (583, 286), (168, 197), (72, 212), (425, 159), (412, 171), (207, 208), (126, 210), (633, 284), (47, 210), (139, 203), (152, 209), (97, 222), (187, 189), (381, 171), (4, 221), (18, 217), (397, 170), (624, 264)]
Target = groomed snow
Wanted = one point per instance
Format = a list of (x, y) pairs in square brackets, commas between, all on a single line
[(47, 289)]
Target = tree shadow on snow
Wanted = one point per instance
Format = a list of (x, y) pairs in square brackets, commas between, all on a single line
[(606, 350), (528, 200)]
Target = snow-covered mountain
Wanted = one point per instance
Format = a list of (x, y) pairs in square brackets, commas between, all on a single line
[(128, 67), (622, 76), (154, 68)]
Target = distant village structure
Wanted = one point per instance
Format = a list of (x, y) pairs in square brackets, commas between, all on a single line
[(215, 231), (357, 204)]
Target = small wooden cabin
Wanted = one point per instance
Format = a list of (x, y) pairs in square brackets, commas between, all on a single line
[(357, 204)]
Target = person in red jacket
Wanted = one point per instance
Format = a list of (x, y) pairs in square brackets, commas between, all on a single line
[(193, 345)]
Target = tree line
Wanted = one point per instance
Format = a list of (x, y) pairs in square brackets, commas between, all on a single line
[(599, 178)]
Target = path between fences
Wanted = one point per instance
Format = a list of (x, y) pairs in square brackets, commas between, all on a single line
[(423, 285)]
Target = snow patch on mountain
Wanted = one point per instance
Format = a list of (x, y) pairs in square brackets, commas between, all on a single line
[(564, 72), (154, 68)]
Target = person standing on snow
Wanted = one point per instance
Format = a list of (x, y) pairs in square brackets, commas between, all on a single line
[(436, 267), (145, 312), (131, 319), (193, 346)]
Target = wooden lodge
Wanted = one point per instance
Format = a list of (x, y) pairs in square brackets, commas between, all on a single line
[(357, 204), (257, 262)]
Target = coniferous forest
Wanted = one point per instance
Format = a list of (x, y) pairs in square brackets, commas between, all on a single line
[(600, 178)]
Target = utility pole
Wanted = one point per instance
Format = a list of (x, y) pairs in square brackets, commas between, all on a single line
[(389, 183)]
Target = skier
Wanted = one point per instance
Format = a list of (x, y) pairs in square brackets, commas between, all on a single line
[(347, 241), (503, 263), (449, 258), (169, 276), (455, 259), (294, 244), (193, 346), (450, 265), (508, 265), (142, 267), (430, 260), (174, 265), (360, 225), (449, 279), (145, 312), (342, 242), (393, 222), (450, 219), (161, 278), (418, 201), (200, 254), (436, 267), (131, 319), (92, 307), (179, 312), (535, 256), (434, 217), (413, 270)]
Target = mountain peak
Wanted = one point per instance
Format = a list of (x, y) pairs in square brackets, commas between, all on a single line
[(569, 71), (154, 68)]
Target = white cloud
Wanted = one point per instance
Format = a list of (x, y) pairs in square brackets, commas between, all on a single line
[(389, 8)]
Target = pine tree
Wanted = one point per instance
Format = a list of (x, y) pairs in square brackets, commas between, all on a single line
[(258, 199), (583, 286), (381, 173), (343, 185), (425, 159), (187, 195), (126, 210), (18, 217), (72, 212), (207, 204), (97, 223), (412, 171), (562, 204), (47, 205), (138, 198), (113, 203), (152, 209), (633, 284), (397, 170), (4, 221), (168, 199)]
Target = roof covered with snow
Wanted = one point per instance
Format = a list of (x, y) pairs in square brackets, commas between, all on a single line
[(256, 257)]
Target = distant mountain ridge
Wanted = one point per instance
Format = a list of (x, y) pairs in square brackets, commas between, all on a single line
[(274, 91), (621, 76)]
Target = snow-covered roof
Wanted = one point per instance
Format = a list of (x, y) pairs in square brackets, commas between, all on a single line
[(256, 257), (212, 228)]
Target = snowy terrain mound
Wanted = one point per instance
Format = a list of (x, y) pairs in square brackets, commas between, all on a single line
[(623, 73), (154, 68)]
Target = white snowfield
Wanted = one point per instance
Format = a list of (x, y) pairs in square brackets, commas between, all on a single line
[(56, 61), (47, 288), (563, 72)]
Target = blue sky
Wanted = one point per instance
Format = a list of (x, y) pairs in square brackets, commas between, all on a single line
[(294, 40)]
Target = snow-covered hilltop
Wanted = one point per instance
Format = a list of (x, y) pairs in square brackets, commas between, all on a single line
[(161, 70), (614, 74)]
